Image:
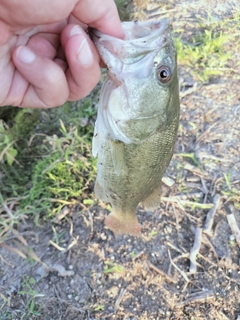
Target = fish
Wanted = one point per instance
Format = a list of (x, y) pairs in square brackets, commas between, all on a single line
[(137, 119)]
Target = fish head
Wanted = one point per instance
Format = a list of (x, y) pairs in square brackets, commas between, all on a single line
[(140, 93)]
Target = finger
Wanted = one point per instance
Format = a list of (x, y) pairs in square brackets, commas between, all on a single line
[(44, 45), (20, 13), (83, 60), (48, 86), (102, 15)]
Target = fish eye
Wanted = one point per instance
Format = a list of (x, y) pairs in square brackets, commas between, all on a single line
[(164, 74)]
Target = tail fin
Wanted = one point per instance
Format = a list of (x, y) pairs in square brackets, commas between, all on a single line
[(123, 223)]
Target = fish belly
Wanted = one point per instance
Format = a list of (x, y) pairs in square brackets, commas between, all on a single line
[(131, 173)]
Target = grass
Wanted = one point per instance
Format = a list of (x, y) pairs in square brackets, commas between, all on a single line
[(112, 267), (52, 165), (205, 54), (31, 308), (45, 157), (123, 10), (232, 193)]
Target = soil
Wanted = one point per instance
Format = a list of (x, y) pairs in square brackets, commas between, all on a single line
[(92, 274)]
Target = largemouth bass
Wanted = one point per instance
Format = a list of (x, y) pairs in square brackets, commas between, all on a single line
[(137, 119)]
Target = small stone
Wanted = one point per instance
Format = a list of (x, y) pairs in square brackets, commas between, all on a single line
[(103, 236), (70, 267), (76, 298), (231, 237), (168, 181), (84, 122), (70, 296), (72, 282)]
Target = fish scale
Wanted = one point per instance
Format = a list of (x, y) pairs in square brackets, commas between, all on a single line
[(135, 133)]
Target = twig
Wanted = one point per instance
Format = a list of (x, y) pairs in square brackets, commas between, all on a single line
[(189, 91), (172, 199), (195, 249), (170, 279), (195, 170), (91, 221), (138, 255), (173, 247), (182, 256), (182, 203), (203, 297), (9, 264), (206, 132), (189, 195), (234, 227), (176, 267), (63, 213), (208, 156), (119, 299), (211, 213), (176, 217), (5, 246), (205, 189), (207, 241), (75, 240)]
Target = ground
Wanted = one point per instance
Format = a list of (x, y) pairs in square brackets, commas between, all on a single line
[(72, 267)]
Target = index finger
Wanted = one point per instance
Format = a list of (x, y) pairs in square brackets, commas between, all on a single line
[(99, 14)]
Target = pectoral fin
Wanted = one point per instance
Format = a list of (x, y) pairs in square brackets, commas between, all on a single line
[(117, 155)]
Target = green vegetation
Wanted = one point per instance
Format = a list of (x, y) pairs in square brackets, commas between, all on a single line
[(229, 191), (45, 164), (112, 267), (123, 10), (31, 308), (45, 157), (205, 53)]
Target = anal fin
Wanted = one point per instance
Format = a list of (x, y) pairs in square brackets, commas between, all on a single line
[(99, 191), (151, 202)]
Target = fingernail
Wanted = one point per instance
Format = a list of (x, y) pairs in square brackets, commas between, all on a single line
[(76, 30), (84, 53), (25, 55)]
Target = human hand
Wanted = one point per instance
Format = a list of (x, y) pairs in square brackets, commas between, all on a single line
[(46, 57)]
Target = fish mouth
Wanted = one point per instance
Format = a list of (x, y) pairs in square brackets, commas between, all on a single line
[(135, 30), (140, 39)]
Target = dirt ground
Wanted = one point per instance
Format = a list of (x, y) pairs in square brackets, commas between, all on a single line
[(74, 268)]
